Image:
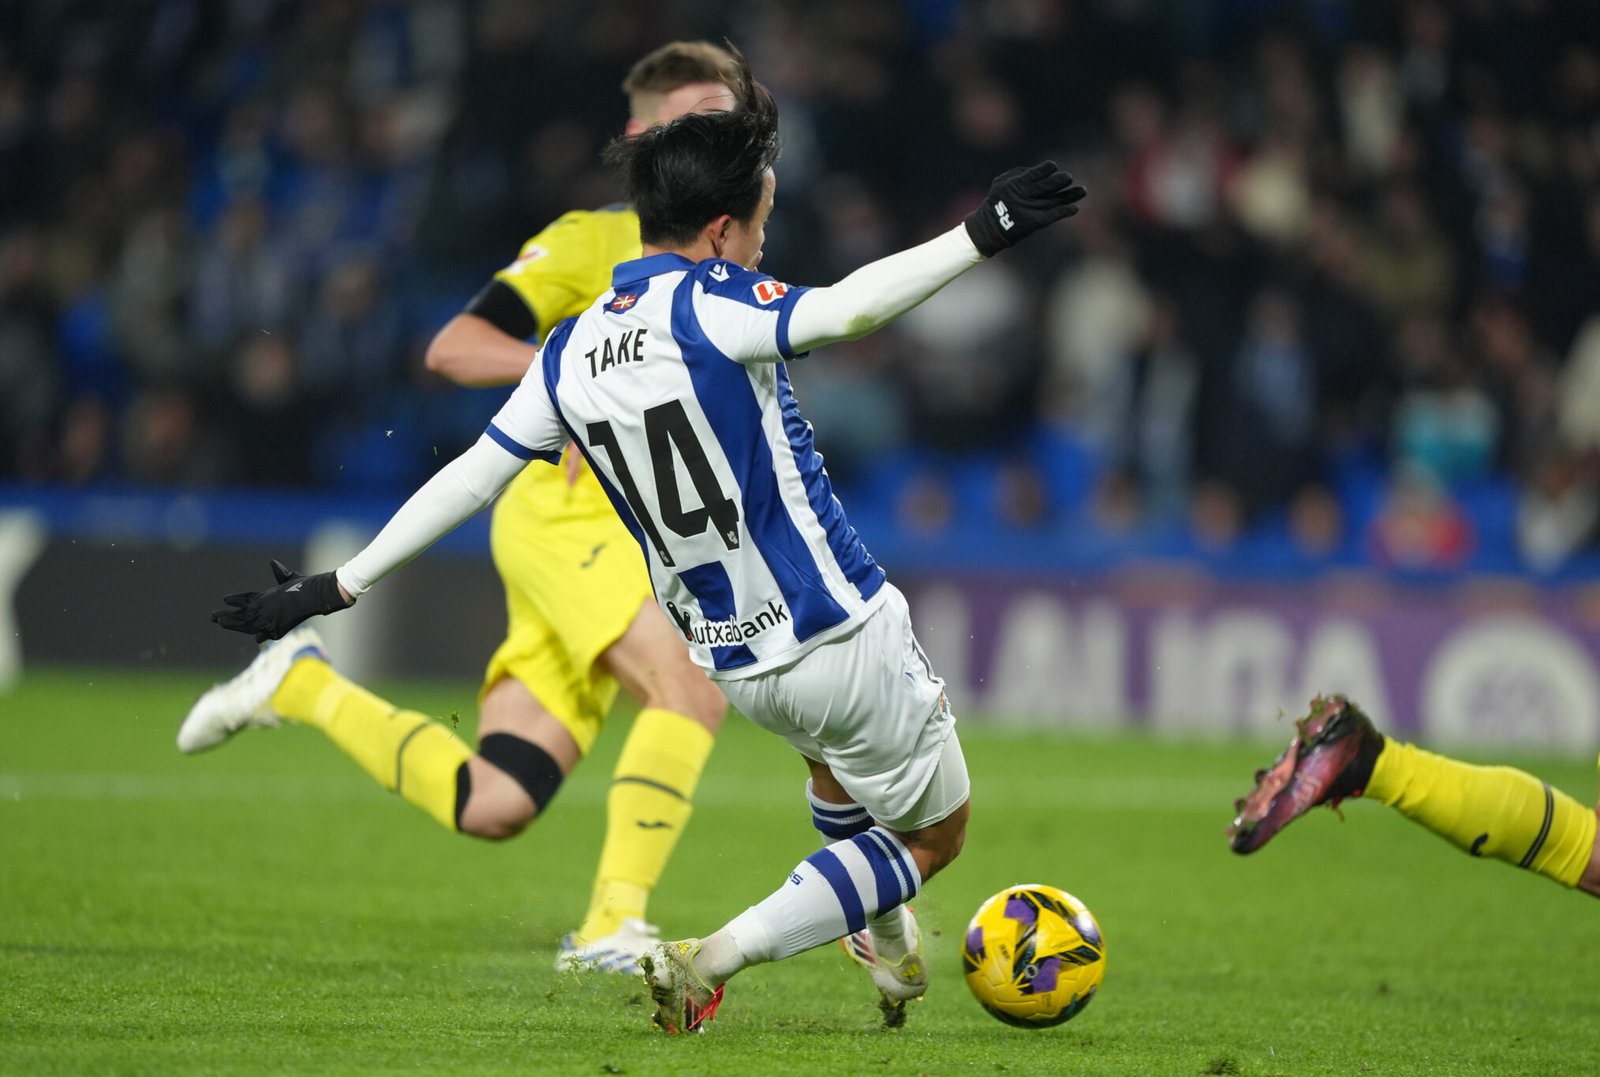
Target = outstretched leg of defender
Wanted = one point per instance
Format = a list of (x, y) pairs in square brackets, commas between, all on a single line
[(1498, 812), (404, 751)]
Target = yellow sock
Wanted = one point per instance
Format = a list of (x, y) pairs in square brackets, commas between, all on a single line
[(646, 811), (1488, 811), (406, 752)]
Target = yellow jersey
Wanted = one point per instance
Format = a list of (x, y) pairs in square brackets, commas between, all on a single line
[(573, 575), (558, 274)]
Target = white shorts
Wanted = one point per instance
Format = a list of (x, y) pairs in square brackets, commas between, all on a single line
[(868, 705)]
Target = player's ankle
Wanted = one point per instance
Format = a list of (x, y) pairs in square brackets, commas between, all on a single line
[(890, 929), (718, 959), (745, 940)]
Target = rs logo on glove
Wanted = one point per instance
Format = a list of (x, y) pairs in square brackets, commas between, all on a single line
[(1021, 202)]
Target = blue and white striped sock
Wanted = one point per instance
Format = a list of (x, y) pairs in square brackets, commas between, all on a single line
[(831, 893), (836, 822)]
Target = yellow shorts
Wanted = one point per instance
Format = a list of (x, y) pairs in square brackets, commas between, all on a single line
[(574, 581)]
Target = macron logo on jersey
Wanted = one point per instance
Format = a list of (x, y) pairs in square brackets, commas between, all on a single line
[(719, 272), (769, 290)]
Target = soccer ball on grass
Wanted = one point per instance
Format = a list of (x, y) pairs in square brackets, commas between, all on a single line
[(1033, 956)]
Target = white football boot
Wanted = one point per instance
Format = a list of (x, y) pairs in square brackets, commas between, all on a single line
[(683, 1001), (898, 970), (247, 699), (618, 952)]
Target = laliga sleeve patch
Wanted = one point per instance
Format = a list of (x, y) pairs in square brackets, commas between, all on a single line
[(531, 253), (769, 291)]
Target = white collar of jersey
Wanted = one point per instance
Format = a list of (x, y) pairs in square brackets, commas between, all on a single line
[(653, 266)]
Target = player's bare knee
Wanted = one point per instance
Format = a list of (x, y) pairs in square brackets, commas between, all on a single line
[(489, 803), (958, 842), (932, 857), (950, 837), (498, 820), (948, 849), (936, 847)]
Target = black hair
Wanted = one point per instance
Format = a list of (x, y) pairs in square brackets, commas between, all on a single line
[(682, 175)]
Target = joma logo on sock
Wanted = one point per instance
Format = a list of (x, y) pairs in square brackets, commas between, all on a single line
[(731, 632)]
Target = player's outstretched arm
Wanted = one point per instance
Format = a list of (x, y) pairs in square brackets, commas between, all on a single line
[(471, 350), (1020, 203), (460, 489)]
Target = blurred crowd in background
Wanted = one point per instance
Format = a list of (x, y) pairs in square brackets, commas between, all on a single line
[(1337, 282)]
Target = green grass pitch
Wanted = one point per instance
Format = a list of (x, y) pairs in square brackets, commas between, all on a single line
[(265, 908)]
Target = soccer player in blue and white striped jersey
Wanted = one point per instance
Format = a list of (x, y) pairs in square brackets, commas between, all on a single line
[(673, 385)]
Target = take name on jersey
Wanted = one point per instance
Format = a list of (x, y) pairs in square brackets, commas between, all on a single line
[(628, 347), (674, 387)]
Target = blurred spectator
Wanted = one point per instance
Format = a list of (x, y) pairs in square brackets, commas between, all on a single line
[(925, 505), (1559, 512), (1178, 175), (87, 442), (1022, 502), (353, 335), (273, 419), (166, 440), (1149, 412), (861, 415), (1374, 229), (244, 277), (319, 198), (1216, 515), (1267, 450), (1316, 522), (19, 145), (1578, 408), (1371, 105), (1097, 313), (1445, 425), (28, 378), (1407, 264), (1520, 376), (1271, 195), (973, 377), (1345, 332), (148, 290), (1420, 527)]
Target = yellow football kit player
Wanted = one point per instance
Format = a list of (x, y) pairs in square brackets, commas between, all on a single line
[(581, 618), (573, 575), (1497, 812), (580, 611), (574, 585)]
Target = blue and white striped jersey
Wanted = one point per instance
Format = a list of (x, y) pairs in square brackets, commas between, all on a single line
[(674, 387)]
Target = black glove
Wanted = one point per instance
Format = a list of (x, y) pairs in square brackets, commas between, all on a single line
[(1021, 202), (269, 614)]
